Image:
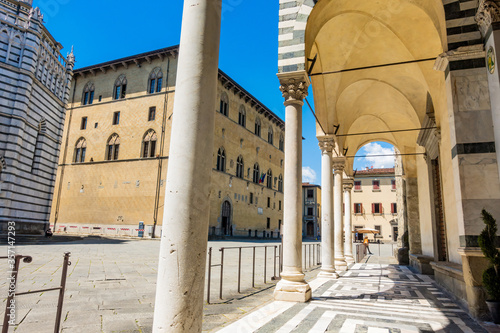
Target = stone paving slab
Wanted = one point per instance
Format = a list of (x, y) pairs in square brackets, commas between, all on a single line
[(364, 300), (111, 284)]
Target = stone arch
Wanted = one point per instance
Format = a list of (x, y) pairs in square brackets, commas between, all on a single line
[(226, 217)]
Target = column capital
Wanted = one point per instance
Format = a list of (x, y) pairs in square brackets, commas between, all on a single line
[(338, 164), (348, 184), (488, 13), (326, 143), (293, 86)]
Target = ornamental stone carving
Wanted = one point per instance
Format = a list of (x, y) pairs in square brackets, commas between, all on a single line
[(338, 164), (294, 85), (488, 12), (326, 144), (348, 184)]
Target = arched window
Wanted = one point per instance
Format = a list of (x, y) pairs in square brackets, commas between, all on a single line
[(256, 173), (270, 134), (269, 179), (88, 94), (221, 159), (257, 127), (242, 117), (224, 104), (280, 183), (80, 149), (155, 82), (113, 147), (282, 143), (239, 167), (149, 144), (120, 90)]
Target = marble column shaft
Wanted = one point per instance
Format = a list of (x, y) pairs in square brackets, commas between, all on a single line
[(348, 185), (338, 189), (326, 144), (182, 260), (292, 286)]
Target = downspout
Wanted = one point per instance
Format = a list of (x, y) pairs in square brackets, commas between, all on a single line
[(160, 157)]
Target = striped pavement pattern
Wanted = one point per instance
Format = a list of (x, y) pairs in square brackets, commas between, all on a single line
[(369, 298)]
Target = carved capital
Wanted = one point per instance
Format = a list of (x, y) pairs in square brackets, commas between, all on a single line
[(294, 86), (348, 184), (338, 164), (326, 143), (488, 12)]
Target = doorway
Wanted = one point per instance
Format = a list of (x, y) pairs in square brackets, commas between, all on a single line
[(310, 229), (227, 230)]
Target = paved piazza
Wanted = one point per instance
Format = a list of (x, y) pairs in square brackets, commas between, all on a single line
[(111, 285)]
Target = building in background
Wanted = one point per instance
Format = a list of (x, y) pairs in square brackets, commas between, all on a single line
[(375, 204), (311, 196), (113, 167), (34, 89)]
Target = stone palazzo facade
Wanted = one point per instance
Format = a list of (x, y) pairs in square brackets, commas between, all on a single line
[(113, 168), (424, 76), (34, 89)]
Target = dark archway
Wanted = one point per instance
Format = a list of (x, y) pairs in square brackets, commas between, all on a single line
[(227, 230)]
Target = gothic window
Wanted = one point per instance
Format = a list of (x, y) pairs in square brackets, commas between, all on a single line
[(280, 183), (155, 81), (149, 144), (80, 149), (88, 94), (224, 104), (282, 143), (242, 117), (113, 147), (269, 179), (120, 89), (270, 134), (256, 173), (257, 127), (221, 160), (239, 167)]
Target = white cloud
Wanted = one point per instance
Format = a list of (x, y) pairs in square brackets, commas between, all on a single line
[(308, 175), (378, 161)]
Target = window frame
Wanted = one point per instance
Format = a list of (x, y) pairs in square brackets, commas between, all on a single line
[(224, 104), (152, 111), (112, 149), (356, 210), (240, 167), (256, 173), (375, 185), (83, 123), (258, 127), (116, 118), (358, 186), (149, 143), (221, 160), (380, 208), (80, 150), (120, 88), (242, 116), (269, 183)]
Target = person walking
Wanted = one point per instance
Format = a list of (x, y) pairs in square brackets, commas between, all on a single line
[(366, 242)]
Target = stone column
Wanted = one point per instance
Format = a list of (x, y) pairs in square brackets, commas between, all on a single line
[(181, 268), (292, 286), (338, 168), (326, 144), (348, 185)]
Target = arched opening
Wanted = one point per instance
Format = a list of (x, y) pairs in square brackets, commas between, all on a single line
[(226, 211)]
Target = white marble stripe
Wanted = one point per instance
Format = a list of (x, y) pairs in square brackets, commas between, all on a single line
[(288, 11), (460, 323), (436, 326), (291, 48), (374, 324), (285, 37), (296, 320), (259, 318), (324, 321), (291, 61), (377, 330)]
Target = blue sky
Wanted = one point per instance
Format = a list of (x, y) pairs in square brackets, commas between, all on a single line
[(107, 30)]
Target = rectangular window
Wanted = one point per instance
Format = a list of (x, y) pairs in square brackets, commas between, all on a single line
[(100, 98), (152, 86), (376, 208), (251, 197), (279, 224), (83, 124), (393, 184), (117, 148), (152, 113), (91, 98), (268, 202), (394, 208), (124, 90), (268, 226), (357, 185), (358, 208), (310, 211), (116, 118), (96, 124), (376, 185), (379, 228), (117, 92), (159, 84), (279, 205), (310, 194)]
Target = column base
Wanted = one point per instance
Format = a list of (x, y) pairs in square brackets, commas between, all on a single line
[(328, 275), (290, 291), (340, 264), (349, 259)]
